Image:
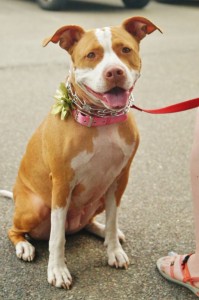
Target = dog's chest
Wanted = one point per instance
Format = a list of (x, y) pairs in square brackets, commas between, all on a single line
[(94, 173), (97, 170)]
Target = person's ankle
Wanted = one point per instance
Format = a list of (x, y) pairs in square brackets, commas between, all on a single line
[(195, 257), (193, 264)]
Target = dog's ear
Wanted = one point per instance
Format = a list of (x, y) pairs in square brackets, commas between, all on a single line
[(67, 36), (139, 27)]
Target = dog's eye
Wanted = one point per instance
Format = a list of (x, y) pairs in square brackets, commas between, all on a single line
[(126, 50), (91, 55)]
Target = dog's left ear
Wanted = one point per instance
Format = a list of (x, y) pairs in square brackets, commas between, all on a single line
[(67, 36), (139, 27)]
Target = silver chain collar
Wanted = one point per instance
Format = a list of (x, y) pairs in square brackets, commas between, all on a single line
[(96, 111)]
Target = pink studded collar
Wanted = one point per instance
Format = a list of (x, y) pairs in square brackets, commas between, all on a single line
[(94, 121)]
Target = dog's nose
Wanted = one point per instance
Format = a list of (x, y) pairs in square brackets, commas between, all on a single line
[(114, 73)]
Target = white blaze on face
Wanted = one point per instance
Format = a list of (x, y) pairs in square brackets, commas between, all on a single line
[(93, 78)]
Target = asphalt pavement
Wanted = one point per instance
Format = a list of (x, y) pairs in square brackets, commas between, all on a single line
[(156, 211)]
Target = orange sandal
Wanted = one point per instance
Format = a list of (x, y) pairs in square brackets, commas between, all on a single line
[(187, 281)]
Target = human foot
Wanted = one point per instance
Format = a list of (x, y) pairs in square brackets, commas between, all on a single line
[(180, 269)]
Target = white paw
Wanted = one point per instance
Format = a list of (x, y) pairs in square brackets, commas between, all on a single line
[(25, 251), (118, 258), (59, 275)]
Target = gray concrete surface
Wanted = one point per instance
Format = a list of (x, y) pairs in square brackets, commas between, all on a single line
[(156, 211)]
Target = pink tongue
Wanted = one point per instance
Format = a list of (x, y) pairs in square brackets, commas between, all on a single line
[(116, 99)]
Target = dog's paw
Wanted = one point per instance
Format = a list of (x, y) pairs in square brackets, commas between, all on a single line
[(25, 251), (118, 258), (59, 276)]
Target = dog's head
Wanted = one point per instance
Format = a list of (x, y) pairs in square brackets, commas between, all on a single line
[(105, 62)]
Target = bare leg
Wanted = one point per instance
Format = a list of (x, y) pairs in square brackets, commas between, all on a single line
[(193, 262), (195, 184)]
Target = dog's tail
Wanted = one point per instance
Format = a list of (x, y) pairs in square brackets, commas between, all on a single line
[(6, 194)]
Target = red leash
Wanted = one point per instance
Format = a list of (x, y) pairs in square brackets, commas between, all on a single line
[(189, 104)]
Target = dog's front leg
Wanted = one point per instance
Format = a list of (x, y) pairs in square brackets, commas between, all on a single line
[(116, 255), (58, 273)]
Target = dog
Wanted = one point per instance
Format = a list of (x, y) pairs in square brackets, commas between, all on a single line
[(77, 166)]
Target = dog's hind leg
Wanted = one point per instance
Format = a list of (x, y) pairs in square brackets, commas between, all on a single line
[(27, 216), (24, 249), (99, 230)]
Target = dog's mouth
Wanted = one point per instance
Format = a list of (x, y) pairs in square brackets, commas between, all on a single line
[(115, 98)]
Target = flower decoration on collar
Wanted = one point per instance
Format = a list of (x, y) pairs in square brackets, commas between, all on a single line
[(63, 102)]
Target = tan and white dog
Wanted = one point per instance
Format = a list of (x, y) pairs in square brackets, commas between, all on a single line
[(71, 172)]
